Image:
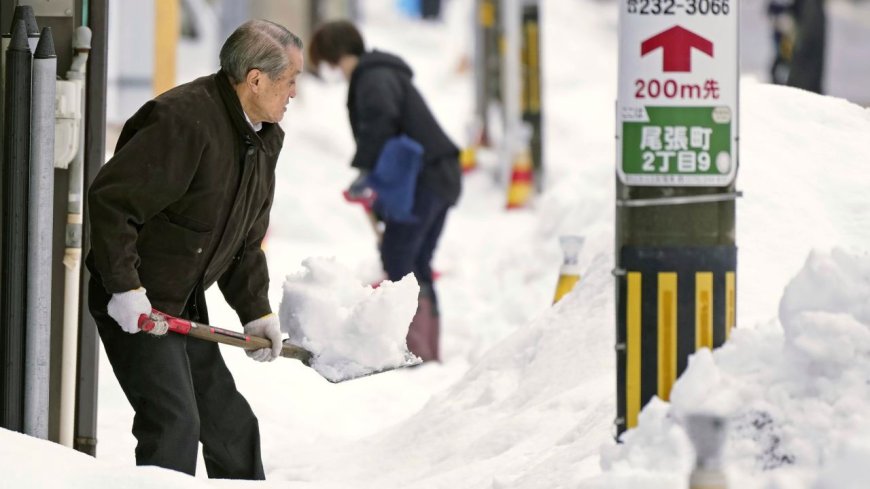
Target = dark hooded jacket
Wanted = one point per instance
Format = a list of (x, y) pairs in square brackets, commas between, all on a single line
[(382, 103), (185, 201)]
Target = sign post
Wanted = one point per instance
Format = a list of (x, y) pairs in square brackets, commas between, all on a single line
[(487, 66), (532, 87), (677, 134)]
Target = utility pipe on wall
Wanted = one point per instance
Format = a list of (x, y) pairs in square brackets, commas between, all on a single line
[(38, 337), (95, 156), (73, 254), (16, 158)]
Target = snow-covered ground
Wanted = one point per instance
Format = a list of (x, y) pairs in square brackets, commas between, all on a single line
[(525, 395)]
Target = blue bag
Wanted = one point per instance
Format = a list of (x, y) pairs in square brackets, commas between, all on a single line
[(411, 8), (394, 179)]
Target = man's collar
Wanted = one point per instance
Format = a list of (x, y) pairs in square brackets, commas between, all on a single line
[(270, 137), (257, 127)]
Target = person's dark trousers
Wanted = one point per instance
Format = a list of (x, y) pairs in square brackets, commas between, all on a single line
[(409, 247), (808, 60), (430, 9), (182, 393)]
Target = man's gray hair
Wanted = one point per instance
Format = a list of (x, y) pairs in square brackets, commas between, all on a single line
[(257, 44)]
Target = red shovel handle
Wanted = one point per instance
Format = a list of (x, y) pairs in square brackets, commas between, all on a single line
[(367, 200), (176, 325), (219, 335), (250, 342)]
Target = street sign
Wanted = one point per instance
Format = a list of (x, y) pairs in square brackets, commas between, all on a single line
[(677, 112)]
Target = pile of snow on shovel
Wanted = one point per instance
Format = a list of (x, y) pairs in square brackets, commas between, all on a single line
[(350, 328)]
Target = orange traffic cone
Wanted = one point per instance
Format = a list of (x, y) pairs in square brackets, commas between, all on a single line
[(520, 186), (468, 156), (468, 159)]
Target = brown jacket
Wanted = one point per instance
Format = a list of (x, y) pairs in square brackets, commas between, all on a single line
[(185, 201)]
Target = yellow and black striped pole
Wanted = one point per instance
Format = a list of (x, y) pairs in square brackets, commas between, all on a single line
[(487, 69), (673, 301), (531, 85), (677, 160)]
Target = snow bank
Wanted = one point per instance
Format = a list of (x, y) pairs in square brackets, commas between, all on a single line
[(27, 462), (350, 328), (796, 397), (530, 413), (804, 176)]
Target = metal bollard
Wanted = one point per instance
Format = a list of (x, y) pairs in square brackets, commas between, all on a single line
[(708, 433), (569, 272)]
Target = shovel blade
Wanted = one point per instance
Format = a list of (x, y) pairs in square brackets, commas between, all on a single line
[(410, 360)]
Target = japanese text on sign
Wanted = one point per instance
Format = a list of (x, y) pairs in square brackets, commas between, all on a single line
[(686, 147), (672, 89), (677, 104), (677, 145)]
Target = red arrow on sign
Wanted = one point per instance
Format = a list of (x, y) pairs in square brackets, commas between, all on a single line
[(676, 44)]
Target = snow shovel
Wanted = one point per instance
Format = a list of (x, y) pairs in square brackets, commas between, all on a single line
[(367, 201), (246, 341)]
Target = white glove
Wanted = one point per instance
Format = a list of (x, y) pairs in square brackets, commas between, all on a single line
[(266, 327), (126, 307)]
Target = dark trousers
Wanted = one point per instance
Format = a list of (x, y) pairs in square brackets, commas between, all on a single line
[(183, 394), (430, 9), (808, 60), (409, 247)]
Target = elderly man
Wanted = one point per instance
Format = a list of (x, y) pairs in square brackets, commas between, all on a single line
[(185, 203)]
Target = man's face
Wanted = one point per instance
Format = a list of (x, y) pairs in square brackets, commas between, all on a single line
[(272, 95)]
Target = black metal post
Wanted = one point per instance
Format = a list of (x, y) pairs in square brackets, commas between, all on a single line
[(95, 150), (15, 13), (16, 171), (490, 19)]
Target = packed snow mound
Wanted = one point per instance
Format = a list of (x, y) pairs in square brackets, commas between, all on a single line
[(804, 174), (351, 329), (796, 396), (28, 462), (837, 283), (520, 418)]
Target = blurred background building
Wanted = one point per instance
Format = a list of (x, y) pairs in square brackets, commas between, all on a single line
[(845, 38), (138, 67), (156, 44)]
